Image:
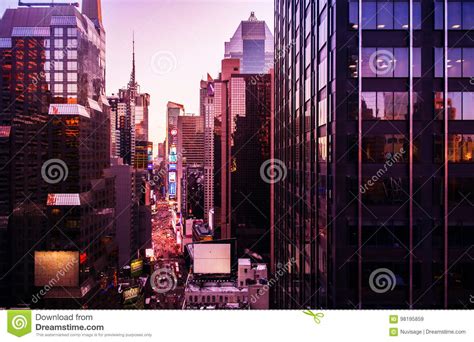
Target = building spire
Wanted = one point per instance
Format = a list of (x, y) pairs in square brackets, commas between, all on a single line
[(133, 83)]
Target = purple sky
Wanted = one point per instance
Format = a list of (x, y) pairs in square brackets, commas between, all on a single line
[(177, 42)]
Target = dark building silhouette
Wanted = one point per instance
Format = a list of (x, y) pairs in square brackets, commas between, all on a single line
[(379, 175), (57, 205)]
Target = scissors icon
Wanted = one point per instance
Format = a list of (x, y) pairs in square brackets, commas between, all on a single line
[(316, 316)]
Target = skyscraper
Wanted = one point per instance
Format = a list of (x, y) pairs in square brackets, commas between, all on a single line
[(373, 131), (59, 210), (129, 120), (237, 110), (252, 43)]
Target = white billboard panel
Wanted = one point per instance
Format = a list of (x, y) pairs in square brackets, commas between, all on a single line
[(211, 258)]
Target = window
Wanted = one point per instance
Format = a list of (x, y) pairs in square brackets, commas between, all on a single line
[(322, 112), (460, 62), (369, 15), (72, 66), (460, 148), (382, 148), (58, 32), (460, 15), (72, 43), (56, 65), (455, 105), (58, 43), (72, 54), (460, 105), (72, 88), (58, 88), (401, 15), (322, 149), (353, 14), (389, 62), (58, 76), (72, 32), (72, 77), (384, 15), (58, 54), (384, 105)]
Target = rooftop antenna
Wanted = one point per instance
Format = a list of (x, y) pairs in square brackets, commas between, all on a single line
[(252, 16)]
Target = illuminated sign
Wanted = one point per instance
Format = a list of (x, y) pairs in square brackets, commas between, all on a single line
[(48, 264), (173, 158), (136, 267), (173, 150), (172, 167), (172, 189), (131, 294), (172, 177), (174, 131)]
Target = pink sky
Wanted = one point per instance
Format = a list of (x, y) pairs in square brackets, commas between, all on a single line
[(177, 42)]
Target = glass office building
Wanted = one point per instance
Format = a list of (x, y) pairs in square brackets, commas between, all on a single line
[(374, 123)]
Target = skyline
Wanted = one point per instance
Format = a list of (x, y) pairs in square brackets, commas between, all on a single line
[(189, 63)]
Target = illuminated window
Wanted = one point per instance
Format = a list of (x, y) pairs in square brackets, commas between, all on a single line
[(72, 88), (58, 32), (72, 54), (58, 88), (72, 43), (72, 66), (58, 76), (58, 43), (72, 32), (72, 77), (58, 54)]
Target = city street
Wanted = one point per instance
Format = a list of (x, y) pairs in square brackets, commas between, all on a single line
[(170, 266)]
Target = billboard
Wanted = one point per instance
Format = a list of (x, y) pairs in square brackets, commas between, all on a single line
[(211, 258), (172, 177), (172, 189), (136, 267), (130, 295), (54, 268)]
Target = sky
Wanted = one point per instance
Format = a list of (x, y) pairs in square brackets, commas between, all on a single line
[(177, 42)]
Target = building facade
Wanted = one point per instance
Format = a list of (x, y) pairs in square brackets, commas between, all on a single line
[(57, 117), (373, 130)]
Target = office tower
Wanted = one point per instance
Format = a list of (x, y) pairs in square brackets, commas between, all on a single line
[(372, 128), (125, 209), (142, 102), (237, 143), (174, 110), (59, 207), (246, 148), (190, 148), (143, 155), (252, 43), (193, 185), (206, 92)]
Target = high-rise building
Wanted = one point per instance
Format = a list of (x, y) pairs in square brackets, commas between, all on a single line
[(174, 110), (58, 204), (129, 120), (373, 136), (237, 112), (252, 43)]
